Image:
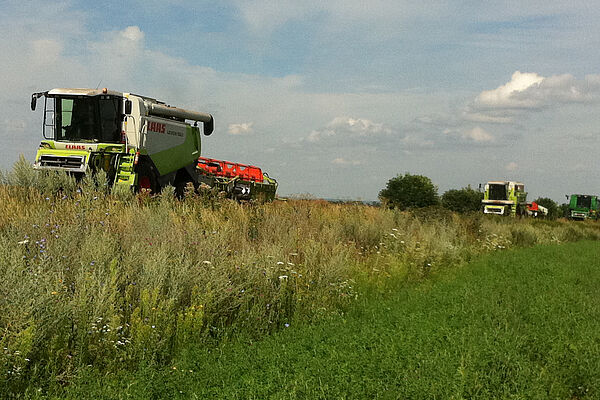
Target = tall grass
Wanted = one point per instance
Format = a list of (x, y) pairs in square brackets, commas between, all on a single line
[(89, 277)]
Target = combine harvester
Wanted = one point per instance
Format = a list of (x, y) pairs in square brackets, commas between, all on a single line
[(509, 198), (583, 206), (505, 198), (140, 142)]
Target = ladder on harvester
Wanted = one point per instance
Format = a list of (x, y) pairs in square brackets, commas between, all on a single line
[(125, 175)]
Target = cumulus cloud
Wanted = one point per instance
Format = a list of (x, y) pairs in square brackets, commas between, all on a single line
[(527, 92), (531, 91), (350, 128), (241, 129), (509, 94)]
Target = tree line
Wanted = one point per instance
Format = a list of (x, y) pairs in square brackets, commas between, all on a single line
[(417, 191)]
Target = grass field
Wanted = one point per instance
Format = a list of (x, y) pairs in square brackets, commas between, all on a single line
[(94, 282), (521, 324)]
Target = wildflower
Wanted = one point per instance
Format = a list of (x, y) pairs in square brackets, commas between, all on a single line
[(286, 325), (283, 278), (54, 293)]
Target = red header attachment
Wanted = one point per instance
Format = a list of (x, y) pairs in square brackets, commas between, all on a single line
[(229, 169)]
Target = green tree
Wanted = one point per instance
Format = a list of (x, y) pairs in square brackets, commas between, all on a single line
[(409, 191), (563, 210), (551, 205), (462, 200)]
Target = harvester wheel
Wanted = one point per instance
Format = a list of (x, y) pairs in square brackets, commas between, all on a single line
[(147, 180)]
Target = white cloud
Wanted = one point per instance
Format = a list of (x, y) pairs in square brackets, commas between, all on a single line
[(532, 91), (343, 161), (489, 117), (241, 129), (478, 135), (350, 128), (507, 95), (132, 33)]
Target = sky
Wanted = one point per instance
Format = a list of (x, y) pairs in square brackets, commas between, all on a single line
[(334, 98)]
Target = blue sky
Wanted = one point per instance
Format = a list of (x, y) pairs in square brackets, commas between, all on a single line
[(335, 98)]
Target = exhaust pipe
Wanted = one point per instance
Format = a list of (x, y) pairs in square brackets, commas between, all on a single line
[(165, 111)]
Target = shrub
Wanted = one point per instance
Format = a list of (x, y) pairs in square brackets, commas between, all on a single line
[(551, 205), (462, 200), (409, 191)]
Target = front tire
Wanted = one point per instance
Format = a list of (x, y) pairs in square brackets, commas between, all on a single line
[(147, 179)]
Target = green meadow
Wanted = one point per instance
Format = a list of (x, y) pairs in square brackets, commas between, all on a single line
[(521, 324)]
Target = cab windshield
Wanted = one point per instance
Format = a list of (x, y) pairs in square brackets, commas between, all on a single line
[(88, 119), (584, 201), (497, 192)]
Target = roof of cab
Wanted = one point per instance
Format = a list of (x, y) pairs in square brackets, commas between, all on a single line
[(82, 92)]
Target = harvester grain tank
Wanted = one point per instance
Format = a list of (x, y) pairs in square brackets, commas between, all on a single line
[(138, 141), (504, 198), (583, 206)]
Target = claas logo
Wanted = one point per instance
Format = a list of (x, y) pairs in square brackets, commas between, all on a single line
[(157, 127)]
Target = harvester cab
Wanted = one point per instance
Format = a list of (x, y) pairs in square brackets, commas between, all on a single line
[(504, 198)]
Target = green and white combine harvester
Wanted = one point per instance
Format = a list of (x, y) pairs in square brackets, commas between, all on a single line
[(140, 142), (505, 198), (583, 206), (509, 198)]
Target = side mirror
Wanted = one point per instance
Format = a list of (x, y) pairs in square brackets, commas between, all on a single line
[(209, 126), (33, 102), (128, 106)]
